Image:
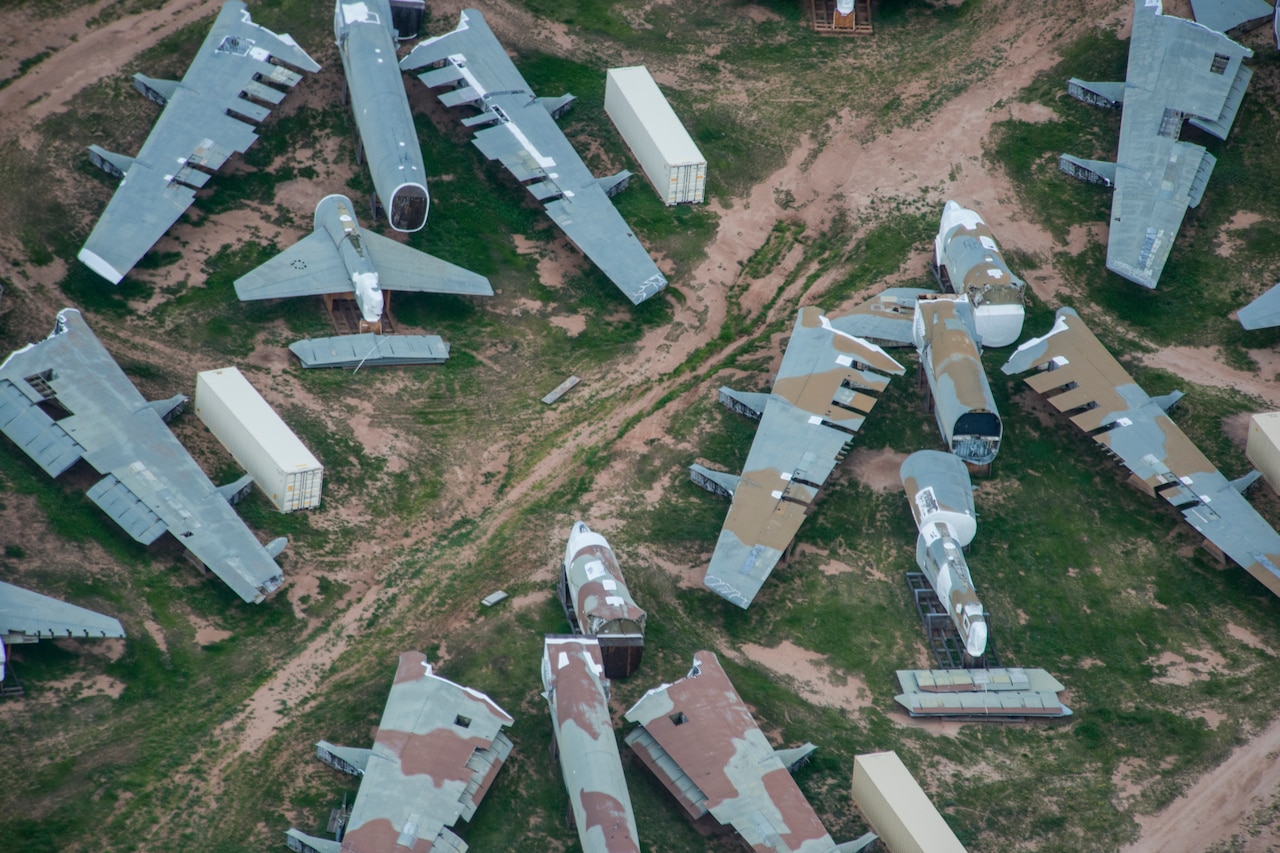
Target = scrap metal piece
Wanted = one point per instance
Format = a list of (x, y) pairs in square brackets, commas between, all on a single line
[(825, 387), (207, 118), (947, 340), (578, 695), (65, 399), (1080, 378), (597, 602), (516, 128), (941, 497), (436, 753), (699, 738), (1178, 71), (980, 693)]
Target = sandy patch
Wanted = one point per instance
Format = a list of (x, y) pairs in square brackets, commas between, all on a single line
[(1202, 366), (877, 469), (573, 324), (1180, 671), (207, 633), (157, 634), (1249, 638), (812, 677)]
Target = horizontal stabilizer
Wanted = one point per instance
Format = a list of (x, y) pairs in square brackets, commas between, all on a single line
[(115, 165), (170, 408), (1168, 401), (1263, 312), (614, 184), (159, 91), (368, 349), (743, 402), (235, 492), (716, 482), (276, 546), (856, 845), (795, 757), (558, 106), (1094, 171), (1242, 483), (1109, 95)]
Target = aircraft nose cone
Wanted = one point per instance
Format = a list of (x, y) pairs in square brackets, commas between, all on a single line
[(976, 644)]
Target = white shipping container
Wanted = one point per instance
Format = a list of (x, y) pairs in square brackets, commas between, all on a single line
[(898, 810), (1263, 446), (657, 139), (263, 444)]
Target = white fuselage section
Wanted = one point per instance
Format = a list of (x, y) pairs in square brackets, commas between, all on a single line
[(334, 214)]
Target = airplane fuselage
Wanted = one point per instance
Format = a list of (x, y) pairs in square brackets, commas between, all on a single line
[(381, 108), (335, 214)]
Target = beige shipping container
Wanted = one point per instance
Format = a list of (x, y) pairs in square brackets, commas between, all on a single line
[(661, 145), (260, 441), (1263, 446), (893, 803)]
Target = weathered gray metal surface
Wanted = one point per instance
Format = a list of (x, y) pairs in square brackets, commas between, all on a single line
[(368, 350), (151, 484), (438, 749), (1013, 692), (700, 740), (1178, 71), (1226, 15), (206, 119), (886, 319), (941, 498), (578, 695), (519, 130), (963, 406), (824, 389), (600, 601), (26, 617), (1079, 376), (969, 263), (1263, 312), (363, 30)]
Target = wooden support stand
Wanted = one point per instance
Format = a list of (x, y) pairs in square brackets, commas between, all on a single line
[(827, 18)]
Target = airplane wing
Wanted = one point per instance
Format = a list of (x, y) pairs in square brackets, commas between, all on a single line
[(30, 615), (402, 267), (1078, 376), (518, 129), (210, 115), (824, 389), (1263, 312), (310, 267), (438, 749), (885, 318), (1178, 70), (65, 399)]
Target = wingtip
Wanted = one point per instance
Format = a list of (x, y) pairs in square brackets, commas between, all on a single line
[(95, 262)]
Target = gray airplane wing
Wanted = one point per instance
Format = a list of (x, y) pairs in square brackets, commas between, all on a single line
[(1078, 376), (310, 267), (211, 114), (437, 751), (65, 399), (825, 387), (402, 267), (30, 615), (518, 129), (886, 318), (1263, 312), (1178, 70)]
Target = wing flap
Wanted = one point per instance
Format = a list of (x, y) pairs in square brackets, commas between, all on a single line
[(35, 433), (127, 509)]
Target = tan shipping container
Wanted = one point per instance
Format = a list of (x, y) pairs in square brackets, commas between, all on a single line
[(1263, 446), (893, 803)]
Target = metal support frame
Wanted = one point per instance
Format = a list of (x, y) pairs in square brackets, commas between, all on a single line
[(944, 640)]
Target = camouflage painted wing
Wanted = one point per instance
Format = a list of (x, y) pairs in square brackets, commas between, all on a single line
[(519, 130), (825, 387), (438, 749), (207, 117), (1079, 377), (65, 398)]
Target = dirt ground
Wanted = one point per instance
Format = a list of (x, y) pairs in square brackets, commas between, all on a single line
[(845, 174)]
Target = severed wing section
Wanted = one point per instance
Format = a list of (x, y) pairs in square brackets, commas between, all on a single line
[(824, 389), (518, 129), (1178, 71), (437, 751), (229, 88), (1080, 378), (65, 398), (26, 616)]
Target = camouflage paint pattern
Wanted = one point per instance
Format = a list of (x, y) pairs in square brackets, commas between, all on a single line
[(578, 695), (436, 753), (700, 740), (962, 402), (826, 385), (941, 497), (969, 260), (600, 598), (1079, 377)]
